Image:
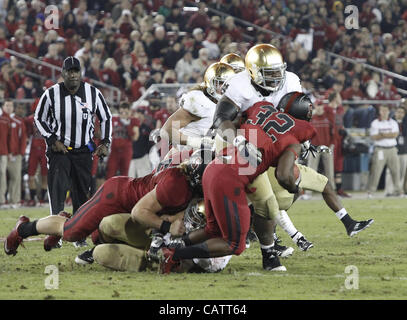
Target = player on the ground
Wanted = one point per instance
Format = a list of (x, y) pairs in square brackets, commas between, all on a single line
[(125, 241), (169, 190)]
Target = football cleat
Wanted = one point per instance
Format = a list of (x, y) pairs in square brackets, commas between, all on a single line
[(55, 242), (271, 262), (358, 226), (282, 251), (13, 240), (304, 244), (85, 257), (80, 244), (167, 264)]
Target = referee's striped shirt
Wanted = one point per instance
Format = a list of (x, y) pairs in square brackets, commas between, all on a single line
[(69, 118)]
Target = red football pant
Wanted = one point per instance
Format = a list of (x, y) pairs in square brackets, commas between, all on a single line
[(226, 208), (37, 156), (119, 159), (109, 199)]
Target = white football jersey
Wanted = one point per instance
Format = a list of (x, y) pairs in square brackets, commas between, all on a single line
[(241, 91), (198, 104)]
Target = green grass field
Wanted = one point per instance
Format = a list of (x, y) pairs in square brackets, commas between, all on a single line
[(379, 253)]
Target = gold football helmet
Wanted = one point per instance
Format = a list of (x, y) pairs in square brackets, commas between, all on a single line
[(235, 61), (215, 77), (194, 216), (266, 66)]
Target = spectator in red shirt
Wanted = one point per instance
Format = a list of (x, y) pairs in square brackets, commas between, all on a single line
[(27, 90), (199, 19), (122, 50), (125, 131), (11, 22), (109, 73), (6, 78), (137, 86), (163, 114), (21, 43), (248, 11), (215, 25), (388, 91), (354, 92), (51, 57), (230, 28)]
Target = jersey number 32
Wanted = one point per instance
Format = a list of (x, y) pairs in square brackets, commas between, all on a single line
[(280, 123)]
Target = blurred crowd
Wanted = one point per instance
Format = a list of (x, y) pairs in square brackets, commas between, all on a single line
[(133, 44)]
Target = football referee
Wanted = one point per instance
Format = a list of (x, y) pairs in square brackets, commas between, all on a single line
[(65, 117)]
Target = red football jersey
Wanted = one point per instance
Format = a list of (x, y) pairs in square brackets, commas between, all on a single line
[(37, 141), (173, 190), (123, 132), (272, 131)]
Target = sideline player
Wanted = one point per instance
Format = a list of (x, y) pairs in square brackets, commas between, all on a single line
[(168, 190)]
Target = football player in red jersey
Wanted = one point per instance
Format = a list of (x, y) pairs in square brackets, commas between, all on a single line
[(36, 157), (125, 130), (167, 190), (278, 136)]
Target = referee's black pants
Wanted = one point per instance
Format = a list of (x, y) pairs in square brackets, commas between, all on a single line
[(70, 171)]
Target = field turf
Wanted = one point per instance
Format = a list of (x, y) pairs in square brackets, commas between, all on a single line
[(379, 254)]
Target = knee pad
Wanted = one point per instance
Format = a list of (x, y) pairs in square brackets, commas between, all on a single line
[(120, 257)]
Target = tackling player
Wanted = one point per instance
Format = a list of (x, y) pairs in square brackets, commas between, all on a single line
[(279, 135), (168, 190), (191, 122), (125, 243)]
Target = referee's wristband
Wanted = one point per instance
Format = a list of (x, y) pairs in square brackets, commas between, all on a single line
[(165, 227)]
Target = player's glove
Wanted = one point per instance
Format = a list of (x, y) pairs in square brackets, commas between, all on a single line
[(157, 242), (248, 151), (307, 148), (324, 149)]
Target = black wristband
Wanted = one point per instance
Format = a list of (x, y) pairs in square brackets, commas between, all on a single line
[(165, 227)]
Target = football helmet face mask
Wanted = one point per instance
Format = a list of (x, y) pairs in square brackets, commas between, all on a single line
[(235, 61), (266, 66), (296, 104), (215, 78), (194, 216)]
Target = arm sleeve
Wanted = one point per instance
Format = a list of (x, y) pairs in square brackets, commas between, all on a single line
[(105, 117), (294, 83), (41, 116)]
